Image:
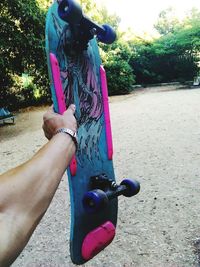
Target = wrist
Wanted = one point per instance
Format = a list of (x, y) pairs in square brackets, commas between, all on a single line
[(70, 133)]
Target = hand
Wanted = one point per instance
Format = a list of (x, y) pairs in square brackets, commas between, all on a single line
[(53, 121)]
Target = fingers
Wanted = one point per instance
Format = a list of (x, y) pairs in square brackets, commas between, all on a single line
[(49, 113), (72, 108), (53, 121), (51, 109), (46, 132)]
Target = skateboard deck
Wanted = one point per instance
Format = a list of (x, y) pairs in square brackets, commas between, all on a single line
[(77, 76), (81, 85)]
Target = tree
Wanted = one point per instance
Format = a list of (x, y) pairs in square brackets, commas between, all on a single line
[(167, 21), (116, 56), (21, 48), (172, 57), (192, 17), (119, 72), (99, 13)]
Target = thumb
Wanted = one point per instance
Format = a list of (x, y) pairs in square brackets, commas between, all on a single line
[(72, 107)]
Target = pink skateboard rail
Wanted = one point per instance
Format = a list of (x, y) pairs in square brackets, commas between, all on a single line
[(106, 113), (60, 100)]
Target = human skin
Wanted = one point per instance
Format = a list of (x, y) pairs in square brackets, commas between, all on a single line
[(27, 190)]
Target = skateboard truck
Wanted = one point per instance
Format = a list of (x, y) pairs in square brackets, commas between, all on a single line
[(104, 190), (82, 27)]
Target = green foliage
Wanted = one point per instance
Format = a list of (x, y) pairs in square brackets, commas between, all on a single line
[(120, 77), (99, 13), (172, 57), (21, 49), (119, 72), (115, 57), (167, 22)]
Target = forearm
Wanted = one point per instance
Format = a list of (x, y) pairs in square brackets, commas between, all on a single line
[(26, 192)]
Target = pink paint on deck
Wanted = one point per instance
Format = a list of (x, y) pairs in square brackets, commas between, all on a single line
[(97, 240), (57, 84), (106, 112), (73, 166), (60, 100)]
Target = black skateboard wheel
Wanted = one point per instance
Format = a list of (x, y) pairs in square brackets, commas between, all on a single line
[(95, 200), (70, 11), (109, 35), (133, 187)]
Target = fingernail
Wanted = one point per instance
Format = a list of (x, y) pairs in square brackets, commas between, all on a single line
[(73, 106)]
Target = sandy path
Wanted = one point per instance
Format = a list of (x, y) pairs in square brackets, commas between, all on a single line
[(157, 140)]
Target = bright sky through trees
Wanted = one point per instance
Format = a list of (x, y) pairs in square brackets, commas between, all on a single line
[(140, 15)]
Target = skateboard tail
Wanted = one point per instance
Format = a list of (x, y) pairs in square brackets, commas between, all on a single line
[(97, 240), (106, 112), (60, 99)]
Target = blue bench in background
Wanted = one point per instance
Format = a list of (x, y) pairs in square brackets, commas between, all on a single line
[(6, 116)]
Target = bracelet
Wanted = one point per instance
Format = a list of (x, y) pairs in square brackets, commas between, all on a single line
[(71, 133)]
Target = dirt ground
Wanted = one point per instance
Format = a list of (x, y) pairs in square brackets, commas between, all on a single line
[(156, 133)]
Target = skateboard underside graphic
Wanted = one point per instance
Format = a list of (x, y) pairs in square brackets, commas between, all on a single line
[(77, 76)]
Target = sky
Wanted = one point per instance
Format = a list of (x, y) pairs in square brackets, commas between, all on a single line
[(140, 15)]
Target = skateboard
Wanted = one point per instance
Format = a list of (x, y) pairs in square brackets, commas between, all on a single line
[(77, 76)]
